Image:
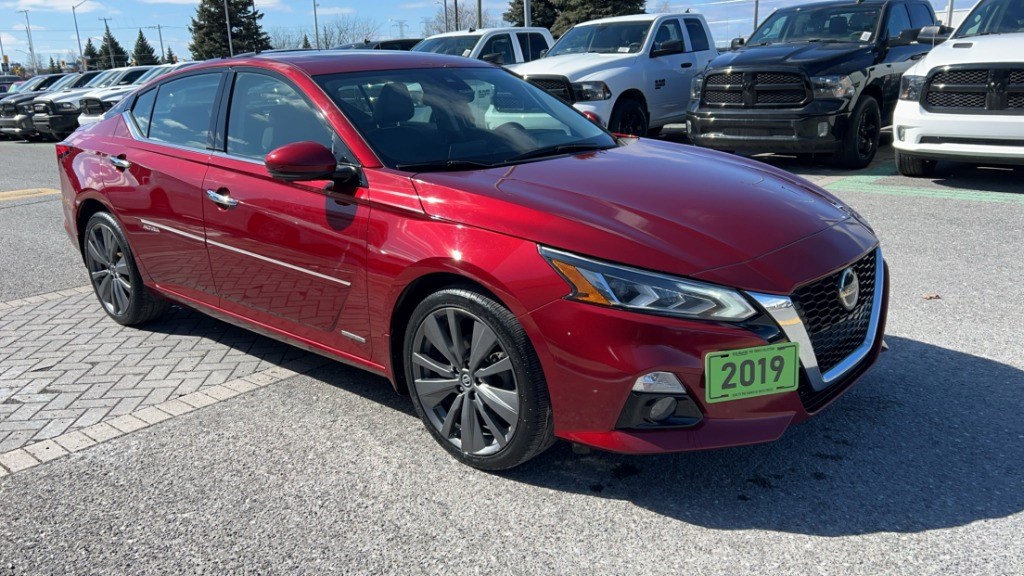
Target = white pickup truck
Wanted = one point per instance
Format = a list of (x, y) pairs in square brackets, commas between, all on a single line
[(633, 72), (964, 101), (501, 46)]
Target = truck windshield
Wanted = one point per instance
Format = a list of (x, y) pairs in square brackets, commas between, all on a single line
[(64, 82), (617, 38), (451, 45), (993, 17), (101, 79), (844, 23)]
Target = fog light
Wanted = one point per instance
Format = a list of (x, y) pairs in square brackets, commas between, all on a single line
[(663, 409), (822, 129), (901, 133), (659, 382)]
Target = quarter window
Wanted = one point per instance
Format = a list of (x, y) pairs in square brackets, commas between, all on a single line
[(142, 110), (698, 38), (184, 109), (267, 113), (668, 31)]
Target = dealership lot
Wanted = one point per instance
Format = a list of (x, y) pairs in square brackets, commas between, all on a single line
[(269, 459)]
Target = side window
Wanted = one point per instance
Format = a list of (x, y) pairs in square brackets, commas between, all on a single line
[(898, 20), (698, 39), (668, 31), (142, 110), (267, 113), (531, 44), (183, 110), (500, 44), (130, 77), (920, 15)]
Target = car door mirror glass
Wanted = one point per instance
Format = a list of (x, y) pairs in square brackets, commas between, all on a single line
[(494, 58), (302, 161)]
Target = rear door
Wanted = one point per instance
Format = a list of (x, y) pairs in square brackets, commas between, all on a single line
[(289, 255)]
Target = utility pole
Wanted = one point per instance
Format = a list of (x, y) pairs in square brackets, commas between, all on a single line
[(227, 22), (526, 13), (3, 55), (446, 27), (949, 14), (255, 27), (160, 34), (756, 7), (316, 25), (479, 14), (110, 47), (81, 55), (31, 48)]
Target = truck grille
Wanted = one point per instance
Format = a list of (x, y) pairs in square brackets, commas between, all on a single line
[(93, 106), (41, 108), (834, 331), (557, 86), (756, 90), (8, 110), (990, 90)]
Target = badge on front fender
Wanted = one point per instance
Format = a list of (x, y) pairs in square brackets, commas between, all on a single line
[(750, 372)]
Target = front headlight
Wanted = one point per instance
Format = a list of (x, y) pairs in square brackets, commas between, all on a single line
[(619, 286), (832, 86), (695, 86), (589, 91), (911, 87), (68, 106)]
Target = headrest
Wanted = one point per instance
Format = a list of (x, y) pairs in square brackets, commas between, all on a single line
[(394, 105)]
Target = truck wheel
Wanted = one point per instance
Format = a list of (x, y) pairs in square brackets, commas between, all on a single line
[(914, 167), (862, 135), (628, 117)]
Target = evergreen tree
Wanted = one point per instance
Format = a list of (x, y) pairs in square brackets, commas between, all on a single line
[(571, 12), (91, 55), (144, 52), (53, 66), (305, 42), (170, 57), (111, 49), (210, 36), (542, 13)]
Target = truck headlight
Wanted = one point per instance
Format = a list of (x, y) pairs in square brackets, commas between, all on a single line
[(618, 286), (911, 88), (589, 91), (832, 86), (695, 86), (70, 106)]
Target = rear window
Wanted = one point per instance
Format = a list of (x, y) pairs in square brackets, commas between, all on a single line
[(920, 15), (698, 39), (532, 44)]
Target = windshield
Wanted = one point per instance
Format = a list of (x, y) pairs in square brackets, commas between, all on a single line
[(452, 45), (993, 17), (618, 38), (64, 82), (459, 118), (844, 23), (16, 88), (152, 73), (48, 82), (101, 79)]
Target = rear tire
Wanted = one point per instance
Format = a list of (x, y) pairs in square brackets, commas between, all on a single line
[(860, 143), (914, 167), (115, 277), (629, 117), (464, 349)]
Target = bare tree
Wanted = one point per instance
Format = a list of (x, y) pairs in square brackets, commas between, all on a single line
[(662, 7), (342, 30)]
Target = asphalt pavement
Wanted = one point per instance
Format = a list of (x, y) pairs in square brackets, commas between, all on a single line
[(917, 470)]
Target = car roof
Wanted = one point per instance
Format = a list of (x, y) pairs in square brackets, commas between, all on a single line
[(814, 5), (481, 31), (317, 62)]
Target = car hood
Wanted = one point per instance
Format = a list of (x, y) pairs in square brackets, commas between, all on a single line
[(811, 56), (573, 66), (19, 98), (661, 206), (997, 48), (65, 96)]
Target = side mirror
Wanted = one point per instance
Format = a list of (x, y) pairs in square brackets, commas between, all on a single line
[(906, 38), (668, 47), (933, 34), (543, 53), (494, 58), (737, 43), (301, 161)]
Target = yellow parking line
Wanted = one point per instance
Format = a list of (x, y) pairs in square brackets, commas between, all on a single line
[(27, 193)]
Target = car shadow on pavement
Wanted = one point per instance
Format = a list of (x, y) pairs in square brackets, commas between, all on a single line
[(931, 438)]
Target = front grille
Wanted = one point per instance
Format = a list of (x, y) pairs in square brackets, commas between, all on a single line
[(41, 108), (92, 106), (991, 90), (8, 110), (557, 86), (834, 331), (756, 90), (25, 108)]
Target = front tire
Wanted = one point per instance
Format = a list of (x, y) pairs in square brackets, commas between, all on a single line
[(860, 143), (114, 275), (475, 380), (629, 117), (914, 167)]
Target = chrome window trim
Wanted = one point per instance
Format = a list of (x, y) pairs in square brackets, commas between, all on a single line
[(236, 250), (781, 309)]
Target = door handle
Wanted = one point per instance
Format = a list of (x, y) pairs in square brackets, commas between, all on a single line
[(686, 64), (120, 163), (222, 200)]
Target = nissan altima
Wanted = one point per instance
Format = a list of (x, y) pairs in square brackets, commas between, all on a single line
[(520, 284)]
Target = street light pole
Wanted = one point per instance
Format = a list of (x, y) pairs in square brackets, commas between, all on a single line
[(81, 55), (3, 55), (227, 22), (316, 25), (479, 14), (756, 7), (526, 13), (31, 48), (949, 14)]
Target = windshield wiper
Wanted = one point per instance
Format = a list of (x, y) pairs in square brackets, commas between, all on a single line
[(559, 149), (443, 165)]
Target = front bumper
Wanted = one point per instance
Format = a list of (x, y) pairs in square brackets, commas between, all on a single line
[(86, 119), (20, 125), (980, 138), (818, 127), (55, 124), (590, 385), (603, 108)]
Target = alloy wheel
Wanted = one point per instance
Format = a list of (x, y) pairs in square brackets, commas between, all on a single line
[(465, 381), (867, 134), (108, 268)]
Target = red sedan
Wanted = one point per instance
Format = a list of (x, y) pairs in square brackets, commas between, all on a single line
[(520, 272)]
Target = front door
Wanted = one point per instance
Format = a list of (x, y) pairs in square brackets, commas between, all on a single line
[(669, 74), (289, 255)]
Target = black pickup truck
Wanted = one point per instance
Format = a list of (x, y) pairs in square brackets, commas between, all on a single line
[(818, 78)]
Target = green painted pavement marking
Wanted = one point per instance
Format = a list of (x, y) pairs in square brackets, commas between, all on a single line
[(851, 185)]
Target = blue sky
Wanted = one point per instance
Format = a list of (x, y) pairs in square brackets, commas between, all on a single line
[(53, 29)]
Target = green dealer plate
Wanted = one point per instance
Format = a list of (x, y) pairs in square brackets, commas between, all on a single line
[(751, 372)]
